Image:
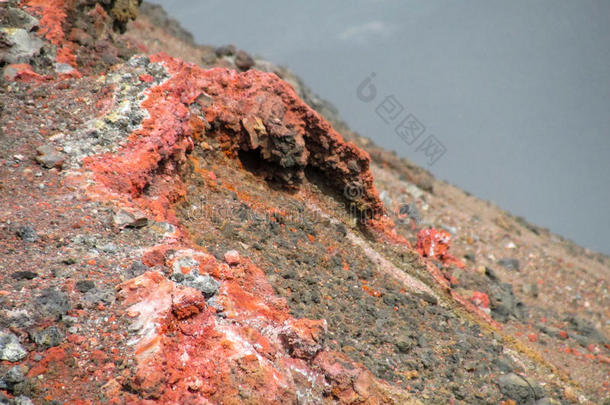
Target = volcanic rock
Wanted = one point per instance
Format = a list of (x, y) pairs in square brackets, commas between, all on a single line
[(10, 348)]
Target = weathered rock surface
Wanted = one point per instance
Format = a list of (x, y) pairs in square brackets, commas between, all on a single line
[(10, 348)]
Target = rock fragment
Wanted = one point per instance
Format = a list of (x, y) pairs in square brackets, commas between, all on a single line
[(207, 285), (243, 61), (204, 283), (303, 338), (10, 348), (13, 377), (48, 337), (53, 303), (22, 400), (84, 285), (107, 296), (10, 73), (21, 45), (185, 271), (404, 345), (49, 157), (225, 50), (504, 304), (509, 264), (586, 329), (232, 257), (410, 210), (520, 389), (24, 275), (27, 233), (18, 18), (125, 219)]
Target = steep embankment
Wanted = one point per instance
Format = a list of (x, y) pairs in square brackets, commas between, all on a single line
[(186, 233)]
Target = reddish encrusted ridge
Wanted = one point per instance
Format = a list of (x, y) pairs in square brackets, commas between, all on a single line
[(183, 342), (258, 112), (252, 111)]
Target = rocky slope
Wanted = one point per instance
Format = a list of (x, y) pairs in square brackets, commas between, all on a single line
[(188, 224)]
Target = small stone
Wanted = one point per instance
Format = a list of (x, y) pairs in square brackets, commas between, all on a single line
[(14, 376), (24, 275), (585, 328), (49, 157), (106, 296), (517, 388), (509, 264), (57, 137), (10, 348), (13, 379), (427, 297), (243, 61), (27, 233), (54, 303), (136, 269), (19, 18), (62, 272), (63, 68), (232, 257), (225, 50), (22, 400), (18, 318), (353, 166), (49, 337), (108, 248), (69, 320), (491, 274), (303, 338), (9, 73), (125, 219), (22, 45), (404, 345), (68, 260), (504, 304), (207, 285), (195, 384), (184, 266), (553, 331)]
